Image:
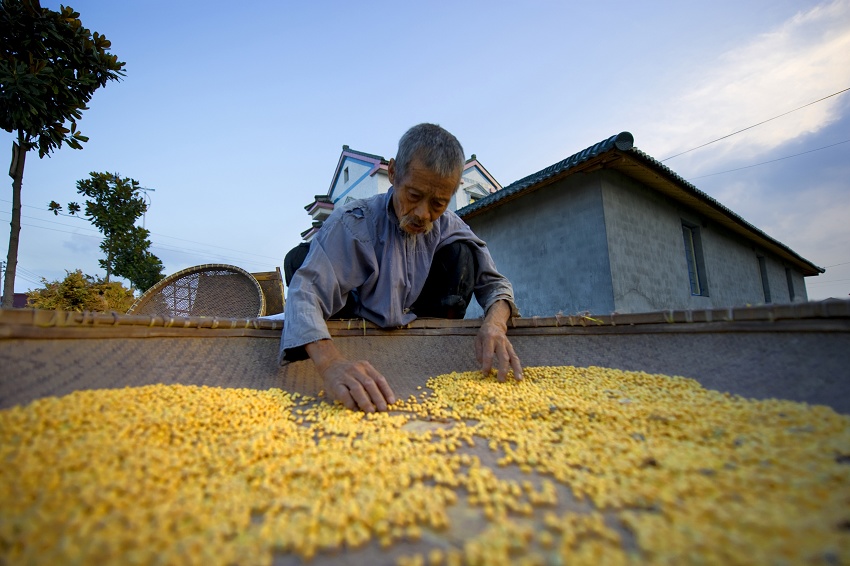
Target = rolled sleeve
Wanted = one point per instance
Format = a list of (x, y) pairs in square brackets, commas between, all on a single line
[(304, 324), (490, 285), (320, 288)]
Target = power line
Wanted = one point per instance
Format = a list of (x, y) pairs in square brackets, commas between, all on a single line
[(836, 265), (59, 223), (766, 162), (827, 282), (152, 233), (29, 273), (754, 125), (200, 253), (25, 274), (197, 253), (157, 245), (26, 278), (54, 229), (217, 247)]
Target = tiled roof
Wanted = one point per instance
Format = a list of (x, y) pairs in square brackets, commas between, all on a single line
[(623, 141), (380, 158), (649, 171)]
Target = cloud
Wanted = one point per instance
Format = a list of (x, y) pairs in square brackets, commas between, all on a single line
[(83, 244), (803, 205), (818, 221), (803, 60)]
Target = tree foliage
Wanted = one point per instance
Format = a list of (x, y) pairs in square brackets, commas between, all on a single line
[(114, 205), (133, 260), (50, 66), (79, 292)]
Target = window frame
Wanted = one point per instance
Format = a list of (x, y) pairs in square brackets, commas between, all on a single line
[(694, 259), (765, 282), (789, 278)]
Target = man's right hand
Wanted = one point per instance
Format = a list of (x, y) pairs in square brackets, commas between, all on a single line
[(357, 385)]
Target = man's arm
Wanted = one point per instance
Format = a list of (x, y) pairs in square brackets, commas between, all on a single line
[(355, 384), (492, 343), (337, 263)]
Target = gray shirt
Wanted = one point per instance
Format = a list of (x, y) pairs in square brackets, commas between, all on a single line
[(362, 248)]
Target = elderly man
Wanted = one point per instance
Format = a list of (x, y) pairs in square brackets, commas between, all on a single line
[(390, 259)]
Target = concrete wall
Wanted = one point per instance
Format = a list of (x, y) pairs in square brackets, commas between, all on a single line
[(777, 278), (801, 295), (602, 242), (646, 249), (648, 261), (551, 244)]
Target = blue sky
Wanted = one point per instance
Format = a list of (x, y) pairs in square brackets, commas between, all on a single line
[(236, 116)]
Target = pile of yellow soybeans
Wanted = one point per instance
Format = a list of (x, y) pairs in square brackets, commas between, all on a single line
[(568, 466)]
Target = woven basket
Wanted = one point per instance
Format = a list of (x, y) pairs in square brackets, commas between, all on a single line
[(799, 352), (212, 289), (271, 282)]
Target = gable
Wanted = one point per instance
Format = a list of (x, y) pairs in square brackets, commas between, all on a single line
[(354, 175)]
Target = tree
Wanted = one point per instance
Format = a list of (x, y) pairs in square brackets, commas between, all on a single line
[(78, 292), (133, 260), (114, 206), (50, 66)]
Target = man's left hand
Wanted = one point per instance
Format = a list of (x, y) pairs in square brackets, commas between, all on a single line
[(492, 347)]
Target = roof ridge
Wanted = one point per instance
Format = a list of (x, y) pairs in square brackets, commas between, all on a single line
[(623, 141), (346, 148), (716, 203)]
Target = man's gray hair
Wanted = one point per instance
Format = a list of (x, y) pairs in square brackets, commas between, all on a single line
[(437, 150)]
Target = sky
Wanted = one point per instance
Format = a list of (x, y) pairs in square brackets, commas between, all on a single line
[(235, 114)]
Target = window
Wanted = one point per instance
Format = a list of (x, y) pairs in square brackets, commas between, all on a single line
[(475, 193), (345, 175), (694, 258), (765, 284), (789, 278)]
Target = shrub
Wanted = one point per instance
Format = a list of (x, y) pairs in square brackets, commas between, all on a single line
[(80, 292)]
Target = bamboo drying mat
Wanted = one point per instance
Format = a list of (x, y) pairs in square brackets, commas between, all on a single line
[(799, 352)]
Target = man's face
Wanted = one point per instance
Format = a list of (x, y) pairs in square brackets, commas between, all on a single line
[(421, 197)]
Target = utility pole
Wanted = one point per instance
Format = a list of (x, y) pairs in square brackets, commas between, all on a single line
[(2, 270), (146, 196), (146, 190)]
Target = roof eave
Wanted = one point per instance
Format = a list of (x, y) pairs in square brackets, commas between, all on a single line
[(592, 164), (619, 153), (378, 162), (643, 168)]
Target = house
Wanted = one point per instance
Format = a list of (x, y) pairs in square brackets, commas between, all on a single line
[(361, 175), (610, 229)]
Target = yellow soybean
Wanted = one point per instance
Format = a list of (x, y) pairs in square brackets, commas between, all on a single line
[(658, 469)]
